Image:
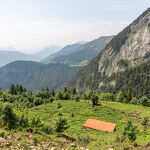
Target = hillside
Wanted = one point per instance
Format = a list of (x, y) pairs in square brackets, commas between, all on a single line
[(42, 134), (126, 51), (64, 51), (83, 54), (35, 76)]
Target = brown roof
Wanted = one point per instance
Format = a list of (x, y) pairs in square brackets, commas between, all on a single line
[(100, 125)]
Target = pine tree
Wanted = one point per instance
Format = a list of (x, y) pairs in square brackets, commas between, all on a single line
[(13, 90)]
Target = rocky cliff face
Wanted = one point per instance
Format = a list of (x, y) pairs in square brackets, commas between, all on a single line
[(128, 49)]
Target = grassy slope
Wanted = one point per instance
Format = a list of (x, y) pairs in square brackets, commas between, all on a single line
[(113, 112)]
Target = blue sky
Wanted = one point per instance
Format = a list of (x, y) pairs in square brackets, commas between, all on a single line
[(29, 25)]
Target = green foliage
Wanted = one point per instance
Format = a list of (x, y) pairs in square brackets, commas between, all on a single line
[(144, 101), (61, 125), (94, 99), (23, 121), (130, 131), (107, 96), (59, 96), (35, 139), (74, 91), (145, 121), (66, 96), (2, 134), (46, 129), (36, 122), (133, 101), (83, 140), (59, 105), (120, 96), (9, 118)]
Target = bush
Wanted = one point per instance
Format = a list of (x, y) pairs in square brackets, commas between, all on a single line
[(51, 99), (61, 125), (120, 96), (145, 121), (107, 97), (46, 129), (83, 140), (66, 96), (133, 101), (2, 134), (60, 114), (59, 96), (23, 121), (58, 105), (130, 131), (144, 101), (94, 99), (72, 115), (35, 140)]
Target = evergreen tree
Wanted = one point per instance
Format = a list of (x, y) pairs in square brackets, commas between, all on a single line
[(65, 89), (13, 90), (9, 118), (74, 91)]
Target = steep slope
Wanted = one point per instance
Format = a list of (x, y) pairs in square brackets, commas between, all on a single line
[(83, 54), (128, 49), (35, 76), (65, 51)]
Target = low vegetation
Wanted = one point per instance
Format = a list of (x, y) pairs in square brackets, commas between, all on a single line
[(47, 120)]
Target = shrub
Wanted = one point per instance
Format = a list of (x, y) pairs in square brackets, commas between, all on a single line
[(46, 129), (145, 121), (59, 95), (58, 105), (35, 140), (130, 131), (23, 121), (144, 101), (133, 101), (51, 99), (107, 97), (83, 140), (2, 134), (94, 99), (66, 96), (72, 115), (120, 96), (61, 125), (60, 114)]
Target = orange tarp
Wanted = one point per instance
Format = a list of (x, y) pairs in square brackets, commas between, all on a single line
[(100, 125)]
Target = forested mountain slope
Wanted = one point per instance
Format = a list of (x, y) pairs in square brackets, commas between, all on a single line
[(129, 49), (35, 76)]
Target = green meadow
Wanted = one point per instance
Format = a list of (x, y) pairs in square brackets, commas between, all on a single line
[(75, 137)]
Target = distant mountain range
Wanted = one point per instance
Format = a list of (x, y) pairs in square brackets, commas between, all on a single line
[(35, 76), (79, 55), (10, 55)]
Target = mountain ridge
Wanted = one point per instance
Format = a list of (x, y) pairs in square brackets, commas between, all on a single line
[(128, 49)]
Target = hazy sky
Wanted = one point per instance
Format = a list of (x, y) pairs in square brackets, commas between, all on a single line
[(29, 25)]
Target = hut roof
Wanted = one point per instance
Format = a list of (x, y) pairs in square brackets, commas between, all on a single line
[(99, 125)]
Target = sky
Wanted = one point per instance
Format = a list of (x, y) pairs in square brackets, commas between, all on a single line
[(30, 25)]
